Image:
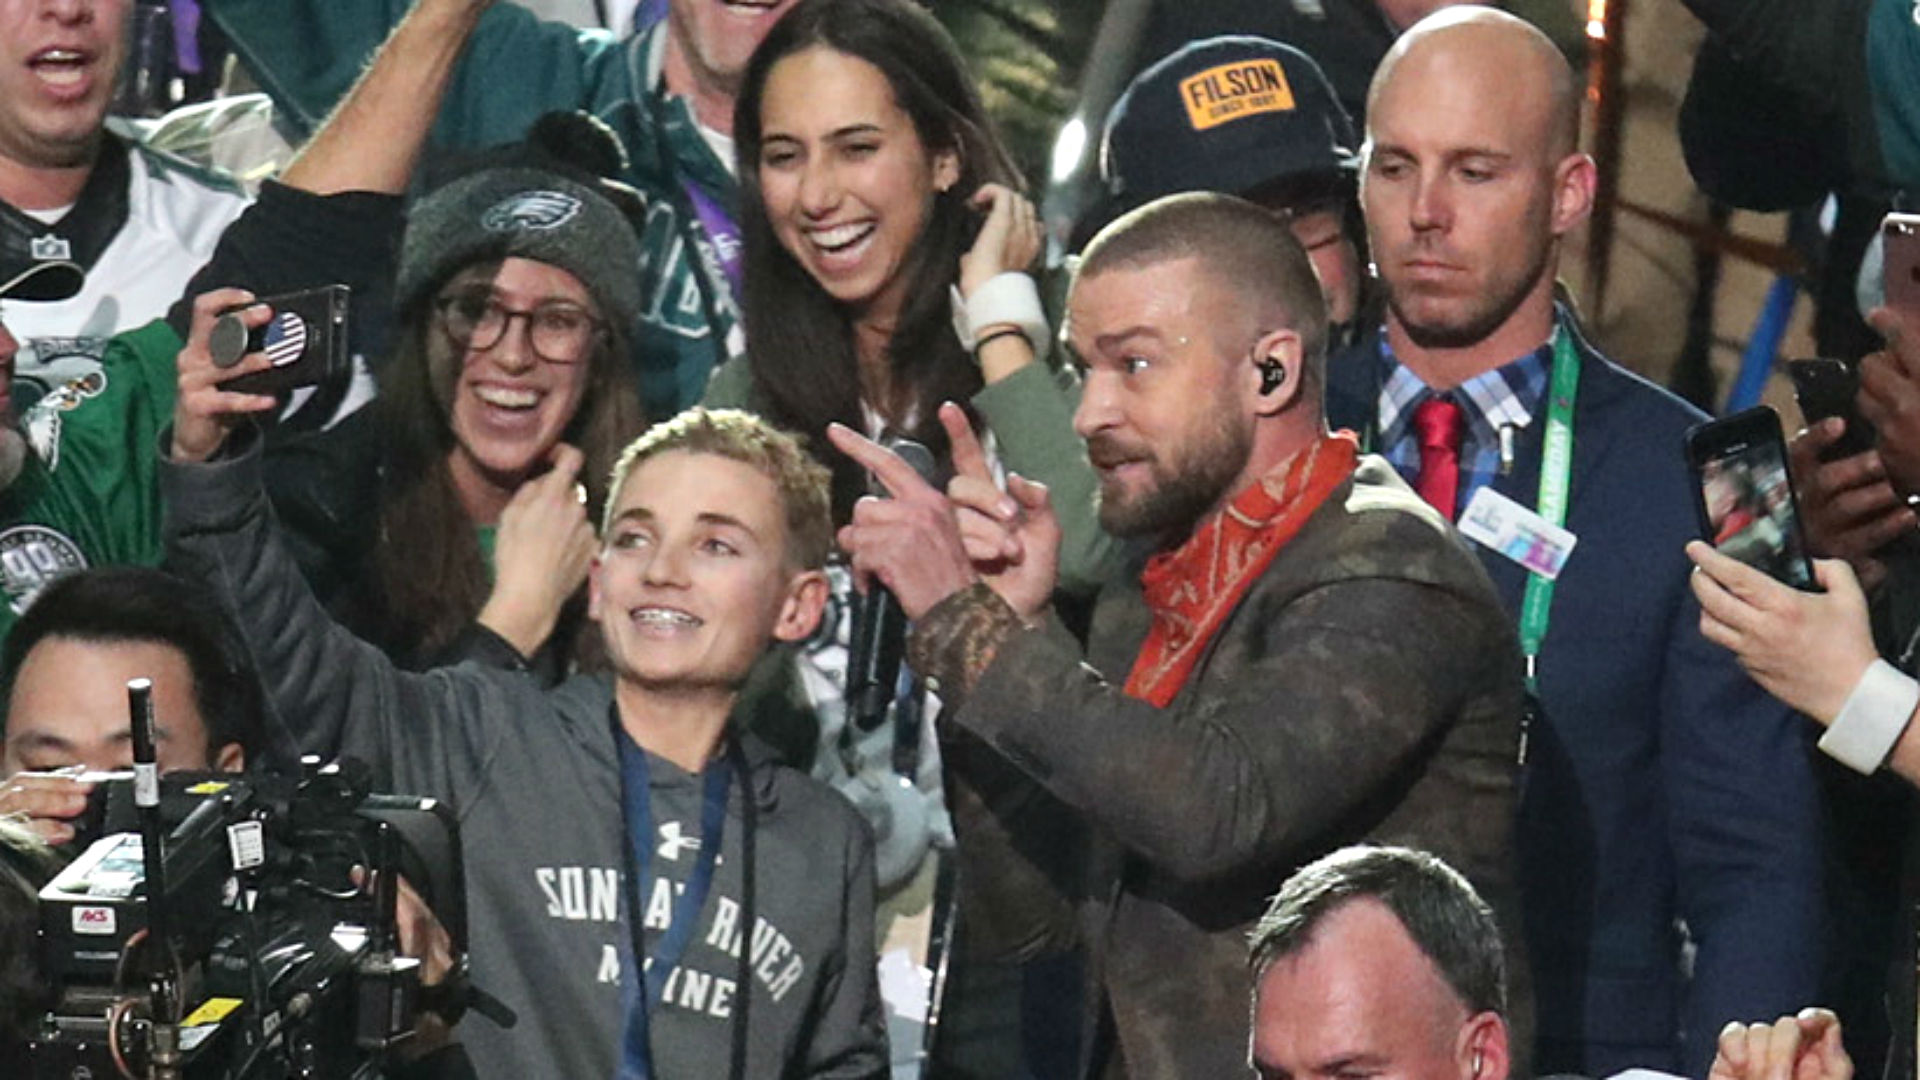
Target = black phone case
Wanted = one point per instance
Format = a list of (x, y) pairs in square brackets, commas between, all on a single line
[(309, 347), (1826, 388), (1716, 439)]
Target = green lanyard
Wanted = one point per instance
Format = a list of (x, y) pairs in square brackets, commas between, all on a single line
[(1556, 469)]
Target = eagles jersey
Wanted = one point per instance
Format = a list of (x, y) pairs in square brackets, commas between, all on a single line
[(90, 497), (143, 224)]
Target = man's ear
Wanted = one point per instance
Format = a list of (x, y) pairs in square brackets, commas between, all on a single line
[(1574, 182), (1482, 1052), (1276, 371), (230, 758), (800, 611)]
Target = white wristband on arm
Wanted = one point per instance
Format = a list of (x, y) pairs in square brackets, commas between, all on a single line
[(1007, 299), (1871, 721)]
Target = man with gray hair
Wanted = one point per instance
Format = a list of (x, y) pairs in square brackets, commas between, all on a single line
[(1383, 956)]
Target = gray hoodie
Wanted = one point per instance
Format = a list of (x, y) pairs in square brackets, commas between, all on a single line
[(535, 777)]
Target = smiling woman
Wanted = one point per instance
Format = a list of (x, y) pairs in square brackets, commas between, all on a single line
[(872, 183), (517, 281)]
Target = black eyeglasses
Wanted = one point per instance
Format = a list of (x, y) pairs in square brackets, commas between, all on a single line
[(560, 332)]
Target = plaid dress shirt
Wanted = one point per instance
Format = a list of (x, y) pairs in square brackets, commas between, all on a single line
[(1507, 396)]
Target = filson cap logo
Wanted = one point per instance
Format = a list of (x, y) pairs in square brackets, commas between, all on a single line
[(1234, 91), (531, 210)]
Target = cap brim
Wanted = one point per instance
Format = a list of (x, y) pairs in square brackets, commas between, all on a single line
[(44, 281)]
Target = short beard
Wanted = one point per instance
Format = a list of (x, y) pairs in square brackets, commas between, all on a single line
[(1195, 479), (1478, 325)]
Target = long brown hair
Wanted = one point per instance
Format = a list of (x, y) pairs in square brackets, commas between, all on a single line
[(429, 575), (799, 339)]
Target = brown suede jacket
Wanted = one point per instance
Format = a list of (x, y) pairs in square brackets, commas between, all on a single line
[(1367, 688)]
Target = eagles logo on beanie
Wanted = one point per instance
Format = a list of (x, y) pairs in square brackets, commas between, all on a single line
[(541, 199)]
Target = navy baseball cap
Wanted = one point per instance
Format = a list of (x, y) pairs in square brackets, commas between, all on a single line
[(1227, 114)]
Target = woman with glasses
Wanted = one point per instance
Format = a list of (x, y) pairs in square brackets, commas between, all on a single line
[(502, 407)]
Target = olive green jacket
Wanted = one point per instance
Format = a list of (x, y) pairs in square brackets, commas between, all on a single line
[(1366, 688)]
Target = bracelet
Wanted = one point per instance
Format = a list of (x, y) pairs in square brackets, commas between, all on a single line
[(1007, 299), (996, 335), (1870, 722)]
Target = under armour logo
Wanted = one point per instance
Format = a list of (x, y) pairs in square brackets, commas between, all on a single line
[(672, 843)]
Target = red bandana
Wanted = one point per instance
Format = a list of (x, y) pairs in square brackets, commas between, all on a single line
[(1192, 589)]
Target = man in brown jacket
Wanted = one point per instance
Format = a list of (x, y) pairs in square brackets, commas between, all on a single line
[(1308, 657)]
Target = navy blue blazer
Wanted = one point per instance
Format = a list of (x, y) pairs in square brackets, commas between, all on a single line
[(1663, 787)]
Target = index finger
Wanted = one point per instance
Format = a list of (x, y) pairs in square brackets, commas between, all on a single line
[(1815, 1022), (211, 303), (1749, 586), (896, 475), (1845, 474), (567, 460), (208, 307), (969, 457), (992, 198)]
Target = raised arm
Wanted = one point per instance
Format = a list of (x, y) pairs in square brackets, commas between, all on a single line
[(373, 140), (307, 54), (1027, 403), (1337, 704), (333, 692)]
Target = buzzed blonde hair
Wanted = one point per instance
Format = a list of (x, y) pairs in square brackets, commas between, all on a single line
[(743, 437)]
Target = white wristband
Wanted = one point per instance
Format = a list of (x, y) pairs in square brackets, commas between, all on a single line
[(1007, 299), (1871, 721)]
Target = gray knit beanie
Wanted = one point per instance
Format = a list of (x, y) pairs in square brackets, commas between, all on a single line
[(529, 212)]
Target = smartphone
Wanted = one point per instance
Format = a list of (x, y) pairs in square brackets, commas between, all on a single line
[(1827, 388), (306, 340), (1744, 494), (1900, 246)]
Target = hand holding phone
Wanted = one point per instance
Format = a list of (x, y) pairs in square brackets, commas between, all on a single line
[(306, 341), (1744, 494), (1829, 388), (205, 407)]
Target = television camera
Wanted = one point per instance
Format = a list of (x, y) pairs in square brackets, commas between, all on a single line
[(233, 926)]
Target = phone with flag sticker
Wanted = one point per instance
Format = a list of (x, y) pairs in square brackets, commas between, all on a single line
[(306, 341), (1744, 494)]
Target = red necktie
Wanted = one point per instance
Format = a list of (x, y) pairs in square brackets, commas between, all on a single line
[(1439, 423)]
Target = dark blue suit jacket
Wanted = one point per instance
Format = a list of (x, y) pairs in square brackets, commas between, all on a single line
[(1663, 786)]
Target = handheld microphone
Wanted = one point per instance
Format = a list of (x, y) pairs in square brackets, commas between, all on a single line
[(879, 626)]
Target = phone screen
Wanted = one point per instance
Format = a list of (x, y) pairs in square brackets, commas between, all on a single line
[(1750, 510)]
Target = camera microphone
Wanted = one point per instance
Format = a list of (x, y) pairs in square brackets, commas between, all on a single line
[(879, 626)]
